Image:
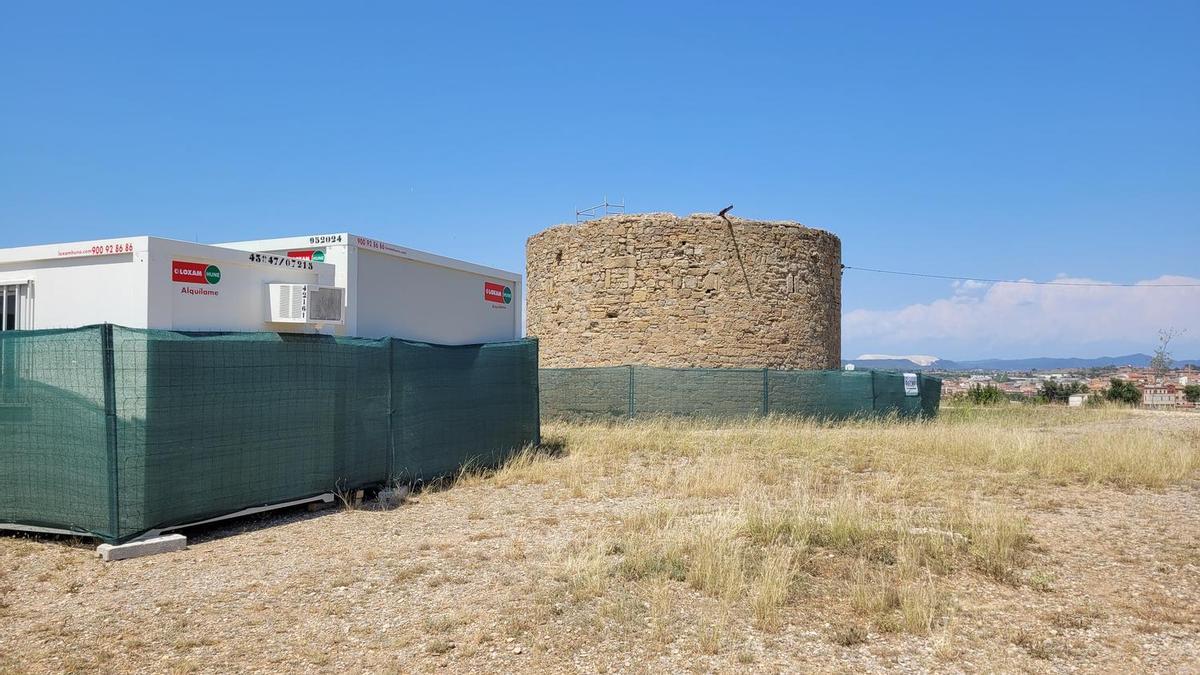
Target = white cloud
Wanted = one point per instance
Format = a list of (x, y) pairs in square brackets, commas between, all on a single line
[(967, 285), (980, 319)]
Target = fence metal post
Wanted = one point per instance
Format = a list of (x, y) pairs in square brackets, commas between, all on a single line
[(537, 394), (631, 407), (766, 402), (391, 422), (874, 393), (108, 373)]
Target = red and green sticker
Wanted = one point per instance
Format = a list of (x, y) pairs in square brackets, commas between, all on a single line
[(497, 293), (315, 255), (194, 272)]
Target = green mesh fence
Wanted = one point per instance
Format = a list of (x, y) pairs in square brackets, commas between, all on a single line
[(710, 392), (210, 424), (462, 405), (639, 391), (820, 393), (54, 434), (114, 432), (586, 393)]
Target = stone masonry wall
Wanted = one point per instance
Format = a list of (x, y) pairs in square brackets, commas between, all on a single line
[(656, 289)]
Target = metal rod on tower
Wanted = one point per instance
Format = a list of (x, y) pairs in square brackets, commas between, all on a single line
[(606, 208)]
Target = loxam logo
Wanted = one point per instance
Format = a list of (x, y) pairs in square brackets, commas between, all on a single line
[(316, 255), (497, 293), (194, 272)]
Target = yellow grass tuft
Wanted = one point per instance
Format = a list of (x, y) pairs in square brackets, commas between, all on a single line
[(997, 538), (717, 560), (585, 570), (772, 586)]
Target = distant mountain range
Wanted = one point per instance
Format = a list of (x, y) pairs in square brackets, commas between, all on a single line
[(915, 363)]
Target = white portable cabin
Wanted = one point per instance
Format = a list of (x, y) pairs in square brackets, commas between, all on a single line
[(395, 291), (149, 282)]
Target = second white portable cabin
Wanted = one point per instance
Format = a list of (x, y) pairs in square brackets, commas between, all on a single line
[(150, 282), (395, 291)]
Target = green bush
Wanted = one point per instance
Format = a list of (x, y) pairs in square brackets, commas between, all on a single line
[(1123, 391), (989, 395), (1060, 392)]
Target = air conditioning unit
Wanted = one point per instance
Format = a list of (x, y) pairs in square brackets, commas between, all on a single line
[(307, 303)]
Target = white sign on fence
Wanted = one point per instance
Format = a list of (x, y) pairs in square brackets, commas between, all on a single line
[(910, 385)]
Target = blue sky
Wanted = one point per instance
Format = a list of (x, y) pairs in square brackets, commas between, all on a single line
[(999, 140)]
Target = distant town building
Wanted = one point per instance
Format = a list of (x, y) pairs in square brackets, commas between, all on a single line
[(1157, 391), (1162, 396)]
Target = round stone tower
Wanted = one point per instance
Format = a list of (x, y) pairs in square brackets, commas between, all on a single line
[(659, 290)]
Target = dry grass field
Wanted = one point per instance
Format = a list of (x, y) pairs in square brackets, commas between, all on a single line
[(1015, 539)]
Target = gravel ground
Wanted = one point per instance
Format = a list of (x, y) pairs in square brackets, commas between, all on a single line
[(465, 580)]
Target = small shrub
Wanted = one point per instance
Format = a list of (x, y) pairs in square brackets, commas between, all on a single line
[(1036, 647), (439, 647), (986, 395), (888, 623), (849, 635), (1041, 581)]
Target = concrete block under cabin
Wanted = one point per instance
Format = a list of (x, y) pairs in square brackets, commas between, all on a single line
[(167, 543)]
